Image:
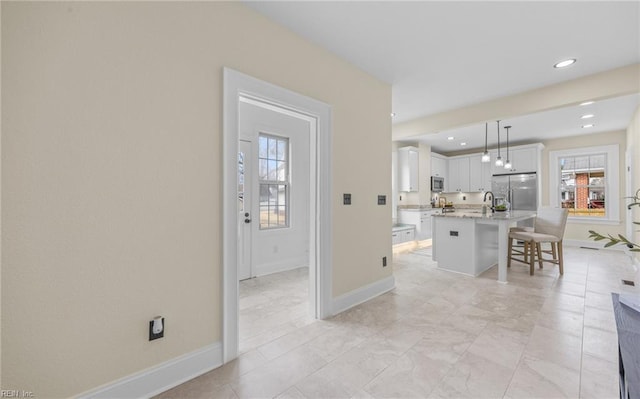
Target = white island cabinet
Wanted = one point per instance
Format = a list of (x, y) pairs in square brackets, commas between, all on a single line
[(471, 243)]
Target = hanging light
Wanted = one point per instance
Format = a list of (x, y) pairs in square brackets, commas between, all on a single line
[(485, 155), (499, 158), (507, 165)]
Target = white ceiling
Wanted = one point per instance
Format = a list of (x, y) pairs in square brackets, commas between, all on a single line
[(440, 56), (609, 115)]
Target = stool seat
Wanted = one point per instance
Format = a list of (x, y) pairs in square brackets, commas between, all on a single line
[(512, 229), (531, 236)]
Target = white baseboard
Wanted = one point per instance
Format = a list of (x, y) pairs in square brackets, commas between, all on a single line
[(591, 244), (362, 294), (162, 377), (281, 266)]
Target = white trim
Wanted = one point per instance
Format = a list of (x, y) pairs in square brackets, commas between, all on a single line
[(362, 294), (586, 220), (279, 266), (162, 377), (238, 85), (629, 190), (591, 244), (612, 179)]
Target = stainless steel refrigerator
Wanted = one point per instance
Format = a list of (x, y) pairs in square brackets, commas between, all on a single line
[(520, 190)]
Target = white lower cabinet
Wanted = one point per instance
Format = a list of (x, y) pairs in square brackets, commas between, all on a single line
[(419, 218), (398, 236)]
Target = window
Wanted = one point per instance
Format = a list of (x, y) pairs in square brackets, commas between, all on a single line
[(586, 182), (582, 187), (273, 176)]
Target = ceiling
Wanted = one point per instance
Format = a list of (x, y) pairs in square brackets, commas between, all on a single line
[(441, 56)]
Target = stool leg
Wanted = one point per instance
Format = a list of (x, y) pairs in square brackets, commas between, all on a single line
[(532, 256), (553, 250), (539, 249), (525, 250), (509, 252), (560, 260)]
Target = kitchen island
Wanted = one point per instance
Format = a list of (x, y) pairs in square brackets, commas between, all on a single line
[(470, 242)]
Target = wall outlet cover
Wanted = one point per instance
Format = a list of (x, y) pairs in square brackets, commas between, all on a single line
[(346, 199), (153, 336), (382, 199)]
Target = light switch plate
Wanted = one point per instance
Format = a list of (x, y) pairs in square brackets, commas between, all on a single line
[(346, 199), (382, 199)]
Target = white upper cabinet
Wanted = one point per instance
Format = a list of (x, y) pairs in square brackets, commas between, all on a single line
[(459, 174), (408, 169), (467, 173), (523, 160), (479, 174), (438, 166)]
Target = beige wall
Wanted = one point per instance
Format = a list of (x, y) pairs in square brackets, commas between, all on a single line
[(633, 142), (580, 231), (111, 176)]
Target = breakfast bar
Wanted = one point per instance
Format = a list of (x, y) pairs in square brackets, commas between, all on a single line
[(472, 242)]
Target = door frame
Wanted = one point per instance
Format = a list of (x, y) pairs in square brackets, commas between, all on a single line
[(237, 87)]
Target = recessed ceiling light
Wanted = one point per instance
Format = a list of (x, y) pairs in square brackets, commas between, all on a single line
[(463, 143), (587, 103), (565, 63), (587, 126), (587, 116), (450, 138)]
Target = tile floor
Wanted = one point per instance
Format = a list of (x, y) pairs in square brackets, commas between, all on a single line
[(436, 335)]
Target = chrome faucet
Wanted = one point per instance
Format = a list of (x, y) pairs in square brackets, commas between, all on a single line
[(493, 200)]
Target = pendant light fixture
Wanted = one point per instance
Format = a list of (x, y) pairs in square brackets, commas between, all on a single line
[(485, 155), (499, 158), (507, 165)]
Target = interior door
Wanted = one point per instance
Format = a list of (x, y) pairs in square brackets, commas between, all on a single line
[(244, 209)]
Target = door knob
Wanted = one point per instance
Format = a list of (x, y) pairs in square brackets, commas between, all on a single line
[(247, 220), (246, 214)]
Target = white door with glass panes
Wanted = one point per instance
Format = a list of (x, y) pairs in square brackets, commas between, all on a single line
[(244, 209), (279, 207)]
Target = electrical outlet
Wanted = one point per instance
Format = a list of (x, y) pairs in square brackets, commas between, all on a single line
[(382, 199), (384, 261), (346, 199), (153, 336)]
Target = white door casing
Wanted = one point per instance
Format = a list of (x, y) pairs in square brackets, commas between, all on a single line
[(237, 86)]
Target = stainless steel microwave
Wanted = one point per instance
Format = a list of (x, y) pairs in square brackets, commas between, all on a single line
[(437, 184)]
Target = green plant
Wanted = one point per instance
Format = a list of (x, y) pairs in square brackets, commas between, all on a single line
[(611, 240)]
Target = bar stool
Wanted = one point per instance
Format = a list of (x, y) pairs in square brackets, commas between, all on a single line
[(548, 228)]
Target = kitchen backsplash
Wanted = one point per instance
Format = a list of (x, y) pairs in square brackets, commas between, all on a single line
[(459, 199)]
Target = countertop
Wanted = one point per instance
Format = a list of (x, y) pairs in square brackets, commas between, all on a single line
[(461, 214), (402, 226), (415, 207)]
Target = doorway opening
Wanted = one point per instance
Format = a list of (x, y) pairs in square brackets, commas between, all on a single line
[(274, 219), (243, 89)]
